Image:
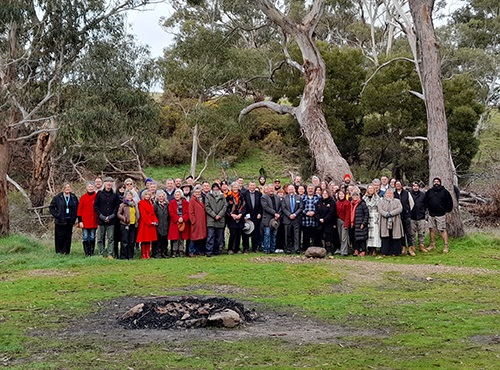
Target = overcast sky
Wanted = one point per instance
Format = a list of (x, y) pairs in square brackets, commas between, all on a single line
[(146, 26)]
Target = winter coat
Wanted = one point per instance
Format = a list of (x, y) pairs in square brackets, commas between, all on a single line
[(106, 205), (268, 209), (147, 223), (404, 197), (326, 209), (394, 207), (438, 201), (418, 210), (198, 219), (344, 211), (361, 216), (64, 214), (234, 208), (215, 206), (173, 229), (124, 213), (257, 208), (161, 212), (86, 212)]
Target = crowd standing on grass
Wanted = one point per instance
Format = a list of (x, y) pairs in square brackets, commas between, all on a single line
[(189, 219)]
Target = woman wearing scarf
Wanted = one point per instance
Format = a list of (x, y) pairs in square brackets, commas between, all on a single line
[(391, 227), (178, 230), (235, 215), (147, 224), (359, 223), (128, 216), (343, 221)]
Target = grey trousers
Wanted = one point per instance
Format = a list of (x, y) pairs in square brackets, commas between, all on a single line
[(106, 239)]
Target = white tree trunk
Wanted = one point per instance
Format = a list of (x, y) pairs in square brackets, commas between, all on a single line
[(437, 126)]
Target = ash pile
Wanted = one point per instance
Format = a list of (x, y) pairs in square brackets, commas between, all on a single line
[(187, 313)]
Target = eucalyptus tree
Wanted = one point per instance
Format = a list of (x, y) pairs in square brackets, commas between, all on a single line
[(309, 112), (109, 120), (39, 42)]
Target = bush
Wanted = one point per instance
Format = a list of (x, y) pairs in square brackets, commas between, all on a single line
[(171, 151)]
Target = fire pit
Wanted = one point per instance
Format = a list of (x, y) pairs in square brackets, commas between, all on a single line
[(186, 313)]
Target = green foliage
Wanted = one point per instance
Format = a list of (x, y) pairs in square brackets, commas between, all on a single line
[(105, 105)]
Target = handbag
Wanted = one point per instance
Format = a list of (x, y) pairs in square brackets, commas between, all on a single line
[(181, 226)]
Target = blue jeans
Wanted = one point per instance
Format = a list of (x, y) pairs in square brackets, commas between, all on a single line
[(214, 240), (269, 244), (88, 235)]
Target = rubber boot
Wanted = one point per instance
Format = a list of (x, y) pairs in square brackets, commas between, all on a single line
[(91, 247), (143, 250), (85, 248)]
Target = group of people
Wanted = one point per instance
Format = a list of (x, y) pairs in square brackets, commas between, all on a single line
[(187, 218)]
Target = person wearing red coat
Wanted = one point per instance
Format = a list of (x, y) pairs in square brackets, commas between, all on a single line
[(343, 221), (178, 210), (147, 224), (198, 219), (87, 219)]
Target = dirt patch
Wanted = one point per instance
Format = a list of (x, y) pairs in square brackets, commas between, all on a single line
[(486, 339), (51, 272), (291, 326), (376, 267), (221, 289)]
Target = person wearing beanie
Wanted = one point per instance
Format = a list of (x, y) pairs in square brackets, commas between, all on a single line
[(215, 206)]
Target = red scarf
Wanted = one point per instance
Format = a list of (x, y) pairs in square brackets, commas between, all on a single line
[(354, 205)]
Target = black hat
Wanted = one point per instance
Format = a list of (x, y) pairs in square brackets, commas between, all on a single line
[(277, 180), (437, 178), (215, 185)]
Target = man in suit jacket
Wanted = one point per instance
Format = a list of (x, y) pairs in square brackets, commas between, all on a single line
[(271, 210), (292, 207), (254, 214)]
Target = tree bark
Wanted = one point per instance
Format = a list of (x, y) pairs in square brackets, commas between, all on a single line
[(437, 126), (309, 113), (4, 202), (41, 169), (194, 152)]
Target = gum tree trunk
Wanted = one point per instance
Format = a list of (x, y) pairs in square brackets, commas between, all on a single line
[(41, 164), (309, 113), (437, 126)]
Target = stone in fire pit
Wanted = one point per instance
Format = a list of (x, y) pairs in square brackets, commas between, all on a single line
[(187, 312)]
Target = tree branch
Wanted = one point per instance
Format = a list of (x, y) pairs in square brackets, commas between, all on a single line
[(380, 67), (277, 17), (311, 20), (278, 108), (35, 133), (288, 57), (424, 138)]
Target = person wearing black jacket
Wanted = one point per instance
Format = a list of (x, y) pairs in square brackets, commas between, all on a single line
[(63, 208), (418, 223), (438, 202), (106, 205), (253, 213), (326, 216), (407, 203)]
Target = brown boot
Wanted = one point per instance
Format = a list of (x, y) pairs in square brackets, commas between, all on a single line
[(412, 251), (446, 248), (404, 251), (431, 247), (422, 248)]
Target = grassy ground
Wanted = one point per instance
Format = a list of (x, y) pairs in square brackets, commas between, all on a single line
[(248, 169), (435, 310)]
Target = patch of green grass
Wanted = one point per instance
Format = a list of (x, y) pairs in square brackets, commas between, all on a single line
[(425, 323), (248, 169)]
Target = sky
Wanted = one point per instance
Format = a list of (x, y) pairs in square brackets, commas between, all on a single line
[(145, 25)]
